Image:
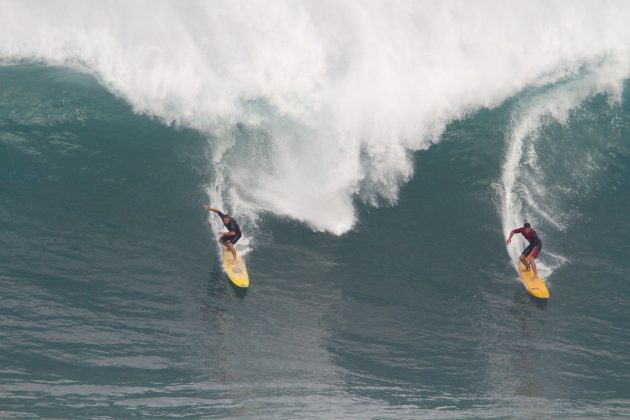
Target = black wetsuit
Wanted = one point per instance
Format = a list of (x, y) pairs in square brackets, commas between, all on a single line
[(232, 226)]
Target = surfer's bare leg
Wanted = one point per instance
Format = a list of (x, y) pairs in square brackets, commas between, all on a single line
[(532, 263), (225, 244), (230, 247), (232, 250), (531, 257), (525, 262)]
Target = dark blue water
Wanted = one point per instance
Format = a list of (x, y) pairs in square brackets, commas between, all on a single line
[(114, 303)]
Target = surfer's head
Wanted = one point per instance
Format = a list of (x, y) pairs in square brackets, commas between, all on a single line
[(226, 218), (527, 225)]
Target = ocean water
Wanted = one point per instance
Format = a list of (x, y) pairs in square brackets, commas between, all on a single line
[(376, 155)]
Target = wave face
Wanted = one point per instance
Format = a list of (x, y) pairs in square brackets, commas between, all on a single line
[(461, 120), (311, 105)]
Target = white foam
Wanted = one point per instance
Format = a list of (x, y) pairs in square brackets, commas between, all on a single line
[(344, 91), (524, 189)]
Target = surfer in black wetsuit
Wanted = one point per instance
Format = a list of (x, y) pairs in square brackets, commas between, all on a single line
[(228, 239), (532, 250)]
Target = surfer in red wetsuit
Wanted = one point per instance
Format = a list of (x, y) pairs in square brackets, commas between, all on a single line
[(532, 250), (227, 239)]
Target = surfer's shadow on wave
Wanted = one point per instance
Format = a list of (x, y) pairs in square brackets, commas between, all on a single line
[(239, 292), (538, 302), (218, 287), (522, 299)]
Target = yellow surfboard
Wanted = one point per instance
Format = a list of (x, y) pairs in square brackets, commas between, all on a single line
[(237, 272), (534, 285)]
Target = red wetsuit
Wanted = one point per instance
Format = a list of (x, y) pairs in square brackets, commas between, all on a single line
[(535, 244)]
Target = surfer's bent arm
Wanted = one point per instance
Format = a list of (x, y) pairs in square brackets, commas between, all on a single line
[(507, 242)]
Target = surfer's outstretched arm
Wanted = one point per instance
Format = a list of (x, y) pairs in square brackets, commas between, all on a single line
[(208, 208)]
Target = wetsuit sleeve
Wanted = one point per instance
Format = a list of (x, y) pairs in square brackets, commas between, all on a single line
[(519, 230), (221, 215)]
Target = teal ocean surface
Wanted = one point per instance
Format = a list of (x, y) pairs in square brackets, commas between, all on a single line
[(376, 173)]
